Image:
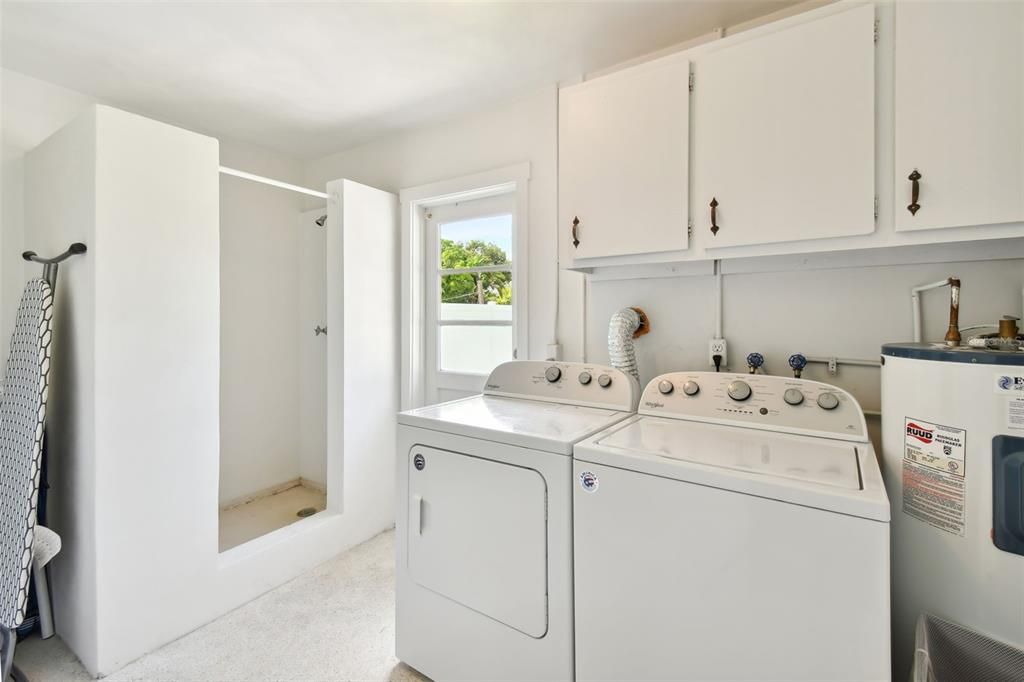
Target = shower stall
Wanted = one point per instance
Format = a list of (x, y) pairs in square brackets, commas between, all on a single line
[(273, 462), (187, 374)]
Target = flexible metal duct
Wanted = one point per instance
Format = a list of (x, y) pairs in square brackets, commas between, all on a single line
[(624, 324)]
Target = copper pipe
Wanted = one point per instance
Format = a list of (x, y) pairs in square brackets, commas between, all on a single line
[(953, 333)]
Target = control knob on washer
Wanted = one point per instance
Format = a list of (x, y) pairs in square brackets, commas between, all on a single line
[(793, 396), (691, 388), (665, 387), (828, 401), (585, 378), (738, 390), (604, 381), (552, 374)]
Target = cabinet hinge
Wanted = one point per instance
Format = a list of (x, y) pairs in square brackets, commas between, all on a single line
[(689, 228), (876, 209), (876, 30), (691, 82)]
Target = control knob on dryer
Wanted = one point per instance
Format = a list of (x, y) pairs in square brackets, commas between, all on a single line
[(585, 378), (552, 374), (665, 387), (793, 396), (604, 381), (691, 388)]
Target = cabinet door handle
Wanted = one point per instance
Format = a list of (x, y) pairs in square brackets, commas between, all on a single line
[(575, 232), (915, 192), (714, 215)]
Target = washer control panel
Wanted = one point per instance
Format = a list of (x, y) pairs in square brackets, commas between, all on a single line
[(756, 401), (574, 383)]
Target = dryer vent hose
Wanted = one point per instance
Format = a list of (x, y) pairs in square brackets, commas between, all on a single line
[(626, 325)]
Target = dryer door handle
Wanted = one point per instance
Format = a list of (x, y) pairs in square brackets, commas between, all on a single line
[(417, 514)]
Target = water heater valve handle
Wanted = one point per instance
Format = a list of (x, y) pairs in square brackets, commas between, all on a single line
[(754, 361), (797, 361)]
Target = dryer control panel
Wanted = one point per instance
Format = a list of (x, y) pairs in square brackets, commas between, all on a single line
[(574, 383), (756, 401)]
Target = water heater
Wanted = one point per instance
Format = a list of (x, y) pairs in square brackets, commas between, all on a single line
[(953, 463)]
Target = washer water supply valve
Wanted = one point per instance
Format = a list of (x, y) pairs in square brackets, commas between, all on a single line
[(797, 361), (754, 362)]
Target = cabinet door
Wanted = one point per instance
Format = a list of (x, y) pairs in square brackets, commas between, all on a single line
[(624, 160), (959, 113), (785, 134)]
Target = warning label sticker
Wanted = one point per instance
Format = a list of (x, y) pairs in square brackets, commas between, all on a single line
[(1015, 413), (935, 474)]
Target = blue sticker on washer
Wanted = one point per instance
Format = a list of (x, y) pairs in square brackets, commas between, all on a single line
[(588, 481)]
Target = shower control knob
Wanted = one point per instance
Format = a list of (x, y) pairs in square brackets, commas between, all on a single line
[(604, 381), (793, 396), (665, 387), (828, 401), (691, 388), (552, 374), (738, 390), (585, 378)]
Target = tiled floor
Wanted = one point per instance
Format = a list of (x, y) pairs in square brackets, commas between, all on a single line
[(244, 522), (334, 622)]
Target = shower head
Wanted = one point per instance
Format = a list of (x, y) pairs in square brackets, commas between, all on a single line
[(321, 220)]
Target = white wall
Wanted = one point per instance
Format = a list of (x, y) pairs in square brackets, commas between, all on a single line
[(157, 355), (68, 160), (847, 313), (260, 240), (312, 265), (32, 110)]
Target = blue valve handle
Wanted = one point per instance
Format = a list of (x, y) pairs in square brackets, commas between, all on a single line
[(797, 361), (754, 360)]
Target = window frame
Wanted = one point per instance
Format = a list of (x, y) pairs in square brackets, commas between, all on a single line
[(416, 203)]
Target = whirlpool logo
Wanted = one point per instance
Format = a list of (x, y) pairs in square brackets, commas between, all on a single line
[(920, 433)]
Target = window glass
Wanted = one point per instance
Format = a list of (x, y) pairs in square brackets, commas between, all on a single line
[(475, 285)]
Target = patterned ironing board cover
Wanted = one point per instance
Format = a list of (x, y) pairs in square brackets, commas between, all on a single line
[(22, 414)]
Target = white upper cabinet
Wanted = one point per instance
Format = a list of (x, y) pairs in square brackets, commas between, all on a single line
[(784, 134), (624, 161), (959, 113)]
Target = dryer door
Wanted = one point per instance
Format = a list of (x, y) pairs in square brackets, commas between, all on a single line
[(478, 535)]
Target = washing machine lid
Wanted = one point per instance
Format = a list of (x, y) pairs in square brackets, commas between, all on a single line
[(818, 472), (535, 424)]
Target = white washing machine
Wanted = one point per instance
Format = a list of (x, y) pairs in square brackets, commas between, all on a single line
[(484, 521), (737, 528)]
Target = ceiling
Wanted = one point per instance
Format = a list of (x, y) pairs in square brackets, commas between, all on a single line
[(309, 79)]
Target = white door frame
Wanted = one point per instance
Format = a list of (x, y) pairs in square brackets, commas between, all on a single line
[(413, 285)]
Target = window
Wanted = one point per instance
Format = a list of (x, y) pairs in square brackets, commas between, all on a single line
[(464, 283), (471, 291)]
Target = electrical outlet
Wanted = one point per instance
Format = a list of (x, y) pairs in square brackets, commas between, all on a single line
[(717, 347)]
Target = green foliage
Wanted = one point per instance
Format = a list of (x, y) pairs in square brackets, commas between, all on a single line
[(484, 287)]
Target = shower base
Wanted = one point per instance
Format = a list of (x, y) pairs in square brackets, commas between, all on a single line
[(259, 515)]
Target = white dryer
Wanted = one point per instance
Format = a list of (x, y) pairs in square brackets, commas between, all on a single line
[(737, 528), (484, 521)]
